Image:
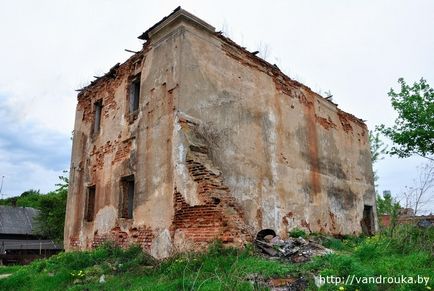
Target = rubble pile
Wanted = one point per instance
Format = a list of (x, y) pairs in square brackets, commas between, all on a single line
[(278, 284), (297, 250)]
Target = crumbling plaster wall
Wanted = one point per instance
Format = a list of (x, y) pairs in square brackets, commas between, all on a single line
[(290, 158), (205, 208), (139, 144), (223, 145)]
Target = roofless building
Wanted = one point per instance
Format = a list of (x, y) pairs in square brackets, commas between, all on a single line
[(194, 138)]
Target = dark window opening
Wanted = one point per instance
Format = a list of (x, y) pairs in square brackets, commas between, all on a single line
[(90, 203), (135, 94), (127, 197), (368, 220), (97, 116)]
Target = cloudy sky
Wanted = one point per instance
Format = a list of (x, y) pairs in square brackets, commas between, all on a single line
[(355, 49)]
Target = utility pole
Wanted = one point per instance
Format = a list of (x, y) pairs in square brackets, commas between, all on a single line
[(1, 187)]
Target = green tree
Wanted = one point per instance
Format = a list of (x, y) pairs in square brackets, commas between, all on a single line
[(51, 206), (386, 204), (29, 198), (413, 131), (30, 192), (51, 218)]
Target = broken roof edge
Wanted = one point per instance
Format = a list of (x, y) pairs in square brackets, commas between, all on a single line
[(277, 71), (180, 14), (112, 72), (177, 15)]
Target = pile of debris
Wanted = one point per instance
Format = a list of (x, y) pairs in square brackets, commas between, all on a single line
[(277, 284), (297, 250)]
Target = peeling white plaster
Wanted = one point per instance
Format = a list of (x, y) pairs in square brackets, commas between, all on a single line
[(162, 245), (105, 219), (184, 183)]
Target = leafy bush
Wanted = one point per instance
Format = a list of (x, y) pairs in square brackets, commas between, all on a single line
[(406, 238), (297, 232), (30, 198)]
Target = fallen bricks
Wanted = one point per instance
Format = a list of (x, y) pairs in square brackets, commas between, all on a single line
[(278, 284), (297, 250)]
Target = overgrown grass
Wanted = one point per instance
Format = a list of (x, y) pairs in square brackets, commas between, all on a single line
[(9, 269), (219, 268), (407, 253)]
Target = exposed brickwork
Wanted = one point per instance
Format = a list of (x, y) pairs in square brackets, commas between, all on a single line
[(109, 103), (97, 155), (123, 151), (345, 122), (85, 105), (74, 242), (200, 222), (141, 236), (327, 123), (219, 216), (104, 87)]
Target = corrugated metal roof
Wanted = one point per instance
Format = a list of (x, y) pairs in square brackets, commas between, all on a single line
[(15, 244), (17, 220)]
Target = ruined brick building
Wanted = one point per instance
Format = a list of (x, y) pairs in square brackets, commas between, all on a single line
[(194, 138)]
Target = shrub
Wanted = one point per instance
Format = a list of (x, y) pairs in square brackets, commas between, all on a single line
[(297, 232), (407, 238)]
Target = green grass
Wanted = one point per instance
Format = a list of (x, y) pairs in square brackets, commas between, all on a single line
[(297, 232), (219, 268), (408, 252), (9, 269)]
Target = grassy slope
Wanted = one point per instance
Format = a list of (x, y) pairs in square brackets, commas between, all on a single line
[(130, 269), (409, 253)]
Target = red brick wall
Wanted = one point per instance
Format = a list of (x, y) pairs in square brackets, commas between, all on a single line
[(218, 216), (141, 236)]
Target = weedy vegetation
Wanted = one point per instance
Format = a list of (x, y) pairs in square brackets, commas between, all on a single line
[(409, 252)]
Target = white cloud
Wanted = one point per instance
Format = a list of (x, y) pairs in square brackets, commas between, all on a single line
[(31, 156), (26, 176)]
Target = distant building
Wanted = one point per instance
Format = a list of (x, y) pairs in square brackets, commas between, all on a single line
[(19, 242), (194, 138), (406, 212), (405, 216)]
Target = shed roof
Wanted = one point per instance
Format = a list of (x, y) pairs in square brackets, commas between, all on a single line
[(17, 220), (16, 244)]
